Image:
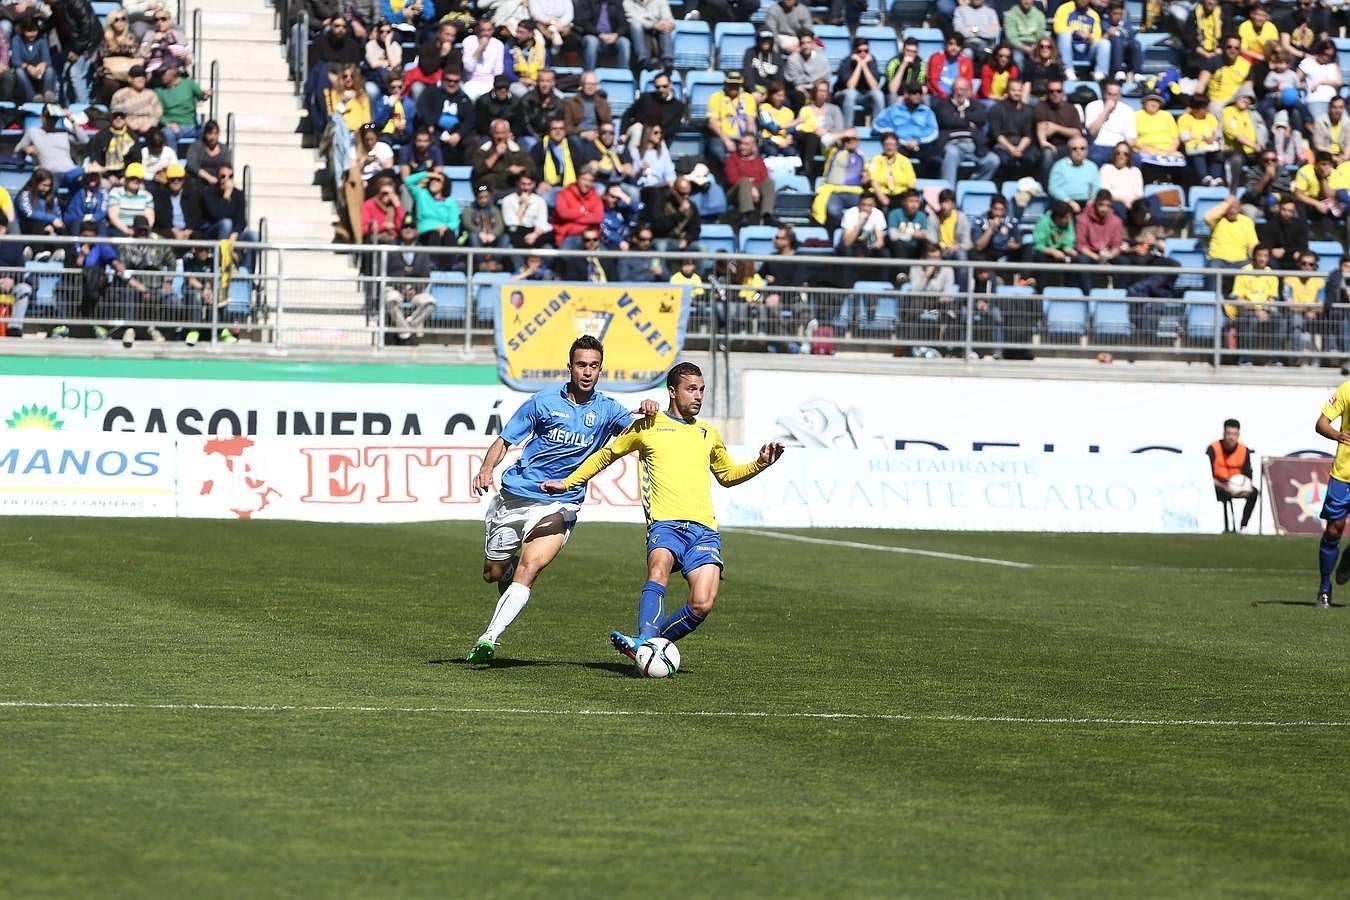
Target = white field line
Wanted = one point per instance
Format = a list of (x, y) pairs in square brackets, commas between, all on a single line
[(689, 714), (885, 548)]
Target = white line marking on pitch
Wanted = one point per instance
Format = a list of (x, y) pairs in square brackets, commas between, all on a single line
[(690, 714), (885, 548)]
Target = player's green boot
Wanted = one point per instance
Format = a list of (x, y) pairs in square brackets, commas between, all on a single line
[(482, 653)]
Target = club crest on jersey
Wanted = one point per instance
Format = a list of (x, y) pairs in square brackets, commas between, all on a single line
[(590, 419)]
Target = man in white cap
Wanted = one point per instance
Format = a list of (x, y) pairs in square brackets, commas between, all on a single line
[(51, 146)]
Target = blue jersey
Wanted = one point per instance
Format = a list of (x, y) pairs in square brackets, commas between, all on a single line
[(562, 434)]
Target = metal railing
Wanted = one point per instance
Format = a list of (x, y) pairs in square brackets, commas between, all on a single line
[(196, 36), (299, 294), (214, 84)]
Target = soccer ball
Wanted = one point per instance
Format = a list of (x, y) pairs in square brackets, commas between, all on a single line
[(1239, 484), (658, 658)]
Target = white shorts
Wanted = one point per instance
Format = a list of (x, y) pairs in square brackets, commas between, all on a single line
[(509, 519)]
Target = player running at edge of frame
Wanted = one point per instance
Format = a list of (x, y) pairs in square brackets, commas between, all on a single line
[(1336, 505), (676, 455), (525, 528)]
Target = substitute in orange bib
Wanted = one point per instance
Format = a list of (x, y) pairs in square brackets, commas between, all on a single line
[(1230, 463)]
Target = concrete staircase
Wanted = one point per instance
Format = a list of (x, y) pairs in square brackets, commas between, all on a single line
[(322, 302)]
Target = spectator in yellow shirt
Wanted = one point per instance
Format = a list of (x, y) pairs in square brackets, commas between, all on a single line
[(732, 112), (1255, 33), (1320, 187), (1221, 84), (1201, 136), (1259, 318), (1303, 296), (890, 173), (1232, 234)]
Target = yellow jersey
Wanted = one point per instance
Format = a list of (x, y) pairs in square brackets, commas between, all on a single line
[(1233, 241), (736, 116), (695, 282), (781, 117), (1226, 80), (1156, 133), (891, 176), (1338, 407), (1306, 180), (1253, 41), (675, 461), (1304, 291), (1254, 290)]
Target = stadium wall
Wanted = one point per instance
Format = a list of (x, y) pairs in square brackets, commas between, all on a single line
[(386, 443)]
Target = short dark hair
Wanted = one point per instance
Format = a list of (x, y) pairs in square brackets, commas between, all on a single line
[(585, 342), (1059, 209), (1323, 156), (1231, 423), (1258, 248), (946, 194), (1102, 194), (679, 371)]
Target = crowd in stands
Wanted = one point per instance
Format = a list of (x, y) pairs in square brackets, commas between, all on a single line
[(112, 144), (486, 125)]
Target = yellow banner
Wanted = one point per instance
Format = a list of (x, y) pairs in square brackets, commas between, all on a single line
[(642, 328)]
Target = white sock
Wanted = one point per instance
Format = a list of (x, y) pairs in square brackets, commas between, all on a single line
[(508, 607)]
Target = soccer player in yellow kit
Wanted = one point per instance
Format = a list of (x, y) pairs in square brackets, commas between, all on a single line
[(676, 455), (1336, 504)]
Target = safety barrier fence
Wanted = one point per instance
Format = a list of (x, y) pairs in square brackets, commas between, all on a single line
[(290, 294)]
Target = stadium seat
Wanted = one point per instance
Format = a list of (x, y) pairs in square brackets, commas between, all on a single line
[(648, 75), (732, 39), (884, 44), (701, 85), (904, 13), (1160, 52), (837, 45), (872, 14), (884, 302), (793, 206), (1328, 253), (1200, 198), (48, 276), (930, 188), (460, 179), (1065, 312), (710, 203), (1180, 244), (487, 296), (1189, 259), (693, 44), (620, 88), (930, 40), (451, 295), (759, 15), (869, 147), (973, 196), (1342, 52), (1110, 313), (1071, 86), (756, 239), (1201, 317), (718, 237), (239, 296), (685, 143)]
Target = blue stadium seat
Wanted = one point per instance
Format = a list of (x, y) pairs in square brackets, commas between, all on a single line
[(693, 44), (48, 276), (648, 75), (1066, 315), (1342, 52), (814, 233), (1110, 313), (973, 196), (795, 196), (930, 40), (620, 88), (1200, 199), (239, 295), (451, 294), (1179, 244), (717, 237), (732, 39), (871, 15), (1328, 253), (685, 143), (884, 302), (756, 239), (1189, 259), (460, 179), (837, 45), (1160, 52), (1201, 317), (759, 15), (903, 13), (700, 86), (487, 296), (884, 44)]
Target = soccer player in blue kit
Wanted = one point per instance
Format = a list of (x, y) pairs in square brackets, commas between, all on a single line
[(525, 528)]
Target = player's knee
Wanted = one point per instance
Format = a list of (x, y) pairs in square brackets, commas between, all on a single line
[(493, 572), (1336, 528), (702, 605)]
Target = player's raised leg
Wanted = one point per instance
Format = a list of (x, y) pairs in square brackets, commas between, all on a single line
[(1335, 506), (703, 584)]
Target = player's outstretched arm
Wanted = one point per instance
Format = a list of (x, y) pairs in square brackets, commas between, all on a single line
[(728, 474), (595, 463), (482, 482)]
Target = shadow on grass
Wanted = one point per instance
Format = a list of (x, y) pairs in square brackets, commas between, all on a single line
[(1312, 603), (500, 663)]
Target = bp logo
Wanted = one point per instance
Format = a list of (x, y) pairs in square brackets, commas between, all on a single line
[(34, 417)]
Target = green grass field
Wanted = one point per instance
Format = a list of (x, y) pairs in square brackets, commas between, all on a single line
[(849, 722)]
